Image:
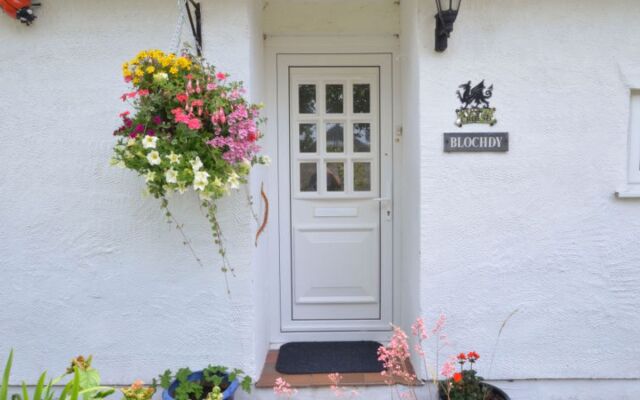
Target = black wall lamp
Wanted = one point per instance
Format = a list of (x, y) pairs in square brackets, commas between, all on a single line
[(444, 22)]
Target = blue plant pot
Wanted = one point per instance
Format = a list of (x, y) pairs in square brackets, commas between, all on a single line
[(198, 376)]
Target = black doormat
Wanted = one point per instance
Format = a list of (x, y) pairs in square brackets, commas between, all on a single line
[(328, 357)]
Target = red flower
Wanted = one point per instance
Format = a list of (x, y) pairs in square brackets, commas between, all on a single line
[(473, 356), (251, 137), (462, 357), (457, 377), (182, 97)]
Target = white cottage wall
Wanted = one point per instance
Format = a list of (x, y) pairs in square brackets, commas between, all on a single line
[(537, 230), (88, 264)]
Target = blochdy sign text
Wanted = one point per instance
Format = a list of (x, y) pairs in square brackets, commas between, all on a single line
[(476, 142)]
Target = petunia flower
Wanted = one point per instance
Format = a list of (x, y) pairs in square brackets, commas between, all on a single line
[(154, 158), (171, 176), (149, 142)]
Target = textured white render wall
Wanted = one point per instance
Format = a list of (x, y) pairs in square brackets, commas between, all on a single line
[(410, 166), (87, 264), (537, 229), (330, 17)]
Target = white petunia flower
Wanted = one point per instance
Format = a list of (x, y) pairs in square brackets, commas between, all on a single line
[(149, 142), (199, 184), (217, 182), (201, 175), (182, 187), (171, 176), (233, 181), (196, 164), (160, 77), (174, 158), (131, 142), (150, 176), (117, 163), (154, 158)]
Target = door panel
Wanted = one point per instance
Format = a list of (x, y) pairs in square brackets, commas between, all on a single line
[(335, 217), (335, 162)]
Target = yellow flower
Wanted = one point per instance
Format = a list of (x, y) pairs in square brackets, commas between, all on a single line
[(151, 69), (165, 61), (184, 63), (173, 70), (139, 72)]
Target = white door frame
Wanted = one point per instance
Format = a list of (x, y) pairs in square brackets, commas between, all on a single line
[(354, 52)]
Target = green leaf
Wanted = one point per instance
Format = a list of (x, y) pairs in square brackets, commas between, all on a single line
[(246, 384), (39, 387), (25, 393), (4, 388), (75, 385), (165, 379), (88, 378)]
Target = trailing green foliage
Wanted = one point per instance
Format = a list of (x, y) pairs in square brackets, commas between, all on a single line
[(215, 379)]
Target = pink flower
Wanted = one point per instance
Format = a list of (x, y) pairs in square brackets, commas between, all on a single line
[(194, 123), (283, 388), (418, 329), (211, 86), (395, 357), (137, 384), (221, 76), (448, 368), (128, 79), (143, 92), (182, 97), (442, 319), (124, 114), (156, 120)]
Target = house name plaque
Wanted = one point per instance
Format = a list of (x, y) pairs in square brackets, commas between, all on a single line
[(476, 142)]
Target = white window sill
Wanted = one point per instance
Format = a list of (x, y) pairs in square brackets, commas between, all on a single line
[(629, 192)]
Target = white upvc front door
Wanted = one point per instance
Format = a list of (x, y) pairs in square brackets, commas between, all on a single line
[(335, 133)]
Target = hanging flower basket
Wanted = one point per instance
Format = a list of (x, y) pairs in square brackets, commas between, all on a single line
[(190, 128)]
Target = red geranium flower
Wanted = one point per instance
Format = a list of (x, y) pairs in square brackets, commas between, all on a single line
[(462, 357), (473, 356), (457, 377)]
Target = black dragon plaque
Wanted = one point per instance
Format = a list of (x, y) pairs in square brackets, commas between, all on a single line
[(475, 107)]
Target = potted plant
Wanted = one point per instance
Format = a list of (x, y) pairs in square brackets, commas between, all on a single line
[(467, 384), (211, 383)]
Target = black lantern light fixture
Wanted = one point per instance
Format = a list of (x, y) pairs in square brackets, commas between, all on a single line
[(444, 22)]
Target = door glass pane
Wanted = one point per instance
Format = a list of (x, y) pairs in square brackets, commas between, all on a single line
[(361, 98), (308, 177), (335, 138), (307, 99), (335, 177), (362, 138), (308, 138), (362, 176), (335, 99)]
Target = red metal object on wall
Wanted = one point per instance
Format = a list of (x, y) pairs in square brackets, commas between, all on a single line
[(19, 9)]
